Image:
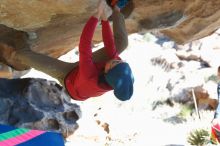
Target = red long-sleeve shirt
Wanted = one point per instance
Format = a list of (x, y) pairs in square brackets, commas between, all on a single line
[(82, 82)]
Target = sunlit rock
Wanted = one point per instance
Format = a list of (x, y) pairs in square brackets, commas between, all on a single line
[(54, 27)]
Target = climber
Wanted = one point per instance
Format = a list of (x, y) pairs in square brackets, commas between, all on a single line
[(94, 74), (215, 129)]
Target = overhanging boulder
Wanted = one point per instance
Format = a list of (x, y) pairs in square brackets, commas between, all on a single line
[(54, 27)]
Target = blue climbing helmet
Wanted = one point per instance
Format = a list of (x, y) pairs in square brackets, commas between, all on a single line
[(121, 79)]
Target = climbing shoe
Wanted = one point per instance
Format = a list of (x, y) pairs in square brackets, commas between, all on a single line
[(120, 3)]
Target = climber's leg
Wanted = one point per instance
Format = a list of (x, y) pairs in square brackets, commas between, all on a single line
[(119, 29), (120, 36), (27, 58), (51, 66)]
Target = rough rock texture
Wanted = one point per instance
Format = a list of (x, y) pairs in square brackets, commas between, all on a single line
[(37, 104), (186, 67), (5, 71), (54, 27), (204, 98)]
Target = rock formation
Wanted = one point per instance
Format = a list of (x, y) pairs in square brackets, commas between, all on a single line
[(191, 70), (37, 104), (54, 27)]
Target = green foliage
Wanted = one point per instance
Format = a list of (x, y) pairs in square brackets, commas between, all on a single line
[(148, 37), (186, 111), (212, 78), (199, 137)]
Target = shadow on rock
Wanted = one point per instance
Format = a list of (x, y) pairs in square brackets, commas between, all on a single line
[(37, 104)]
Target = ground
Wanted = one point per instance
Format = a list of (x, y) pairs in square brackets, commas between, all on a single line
[(108, 122)]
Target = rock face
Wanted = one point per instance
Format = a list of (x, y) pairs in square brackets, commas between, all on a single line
[(54, 27), (37, 104)]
